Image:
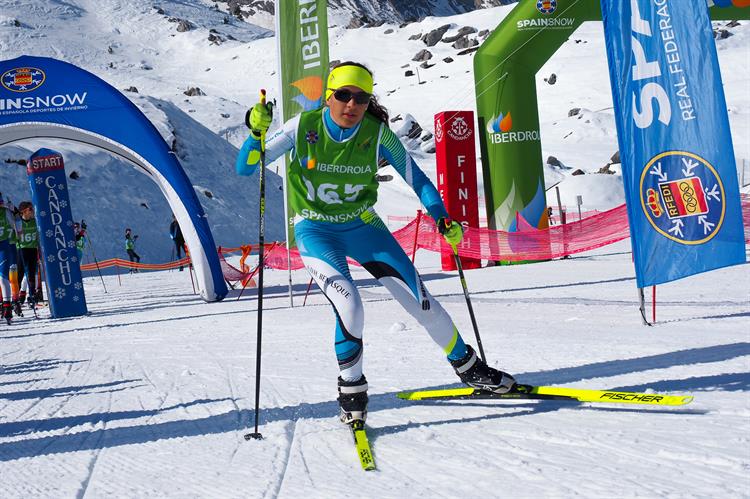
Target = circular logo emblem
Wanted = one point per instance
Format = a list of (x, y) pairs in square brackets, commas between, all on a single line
[(311, 137), (683, 197), (23, 79), (459, 129), (546, 6)]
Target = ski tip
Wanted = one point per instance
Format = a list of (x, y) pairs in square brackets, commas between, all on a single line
[(686, 399)]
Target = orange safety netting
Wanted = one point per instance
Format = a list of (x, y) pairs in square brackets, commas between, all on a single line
[(595, 231), (119, 262)]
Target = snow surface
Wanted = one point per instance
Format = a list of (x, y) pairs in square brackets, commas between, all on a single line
[(151, 394)]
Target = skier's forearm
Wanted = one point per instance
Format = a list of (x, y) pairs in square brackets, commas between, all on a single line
[(394, 152), (244, 165), (277, 145)]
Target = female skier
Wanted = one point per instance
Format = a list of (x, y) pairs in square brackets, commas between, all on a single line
[(8, 253), (332, 190), (28, 249)]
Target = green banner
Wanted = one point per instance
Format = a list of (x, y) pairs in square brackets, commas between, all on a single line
[(505, 67), (302, 42), (504, 71)]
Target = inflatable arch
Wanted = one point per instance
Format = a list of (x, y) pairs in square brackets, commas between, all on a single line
[(46, 98), (505, 67)]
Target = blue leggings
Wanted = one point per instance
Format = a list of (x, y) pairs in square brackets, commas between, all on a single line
[(324, 247), (7, 259)]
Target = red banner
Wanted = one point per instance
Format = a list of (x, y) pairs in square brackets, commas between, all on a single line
[(457, 176)]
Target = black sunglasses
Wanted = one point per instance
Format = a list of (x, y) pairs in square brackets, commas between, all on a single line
[(344, 95)]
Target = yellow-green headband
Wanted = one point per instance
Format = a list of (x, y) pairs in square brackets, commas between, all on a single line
[(343, 76)]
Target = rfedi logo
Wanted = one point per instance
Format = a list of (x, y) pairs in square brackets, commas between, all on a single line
[(459, 129), (311, 92), (499, 130), (23, 79), (683, 197), (546, 6)]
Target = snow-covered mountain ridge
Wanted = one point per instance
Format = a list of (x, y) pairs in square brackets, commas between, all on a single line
[(357, 13)]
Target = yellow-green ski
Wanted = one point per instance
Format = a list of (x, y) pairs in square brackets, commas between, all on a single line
[(552, 393), (363, 445)]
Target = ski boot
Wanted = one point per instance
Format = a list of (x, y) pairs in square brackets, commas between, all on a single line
[(353, 400), (7, 312), (17, 308), (22, 297), (477, 374)]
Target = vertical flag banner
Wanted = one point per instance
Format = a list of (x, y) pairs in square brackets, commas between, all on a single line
[(302, 42), (456, 162), (54, 218), (678, 162)]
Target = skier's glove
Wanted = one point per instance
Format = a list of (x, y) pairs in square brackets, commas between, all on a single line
[(451, 231), (258, 118)]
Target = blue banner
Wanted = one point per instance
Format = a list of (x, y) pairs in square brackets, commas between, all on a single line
[(54, 219), (678, 162)]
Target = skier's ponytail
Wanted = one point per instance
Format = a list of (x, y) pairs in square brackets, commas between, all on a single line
[(378, 110)]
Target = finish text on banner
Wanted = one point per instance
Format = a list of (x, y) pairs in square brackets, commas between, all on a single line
[(679, 169)]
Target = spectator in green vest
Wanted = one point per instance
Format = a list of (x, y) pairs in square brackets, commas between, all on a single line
[(28, 251)]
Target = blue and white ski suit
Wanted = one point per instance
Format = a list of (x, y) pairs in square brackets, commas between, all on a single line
[(324, 247)]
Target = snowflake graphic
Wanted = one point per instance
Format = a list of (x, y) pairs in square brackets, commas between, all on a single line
[(78, 286), (42, 213), (49, 233), (71, 244), (63, 204), (74, 259), (60, 293), (60, 187), (76, 298), (51, 258), (39, 180), (69, 223)]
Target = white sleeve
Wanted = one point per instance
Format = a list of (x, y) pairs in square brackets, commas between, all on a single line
[(284, 139)]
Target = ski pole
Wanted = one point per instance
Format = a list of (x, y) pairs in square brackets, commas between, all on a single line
[(93, 253), (261, 236), (468, 301)]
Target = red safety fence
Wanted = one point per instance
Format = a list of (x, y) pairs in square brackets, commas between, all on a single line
[(595, 231), (529, 244)]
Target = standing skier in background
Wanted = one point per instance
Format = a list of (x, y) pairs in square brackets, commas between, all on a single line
[(8, 254), (332, 189), (80, 234), (28, 250), (130, 248), (176, 234)]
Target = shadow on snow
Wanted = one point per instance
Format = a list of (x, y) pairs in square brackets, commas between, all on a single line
[(240, 420)]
